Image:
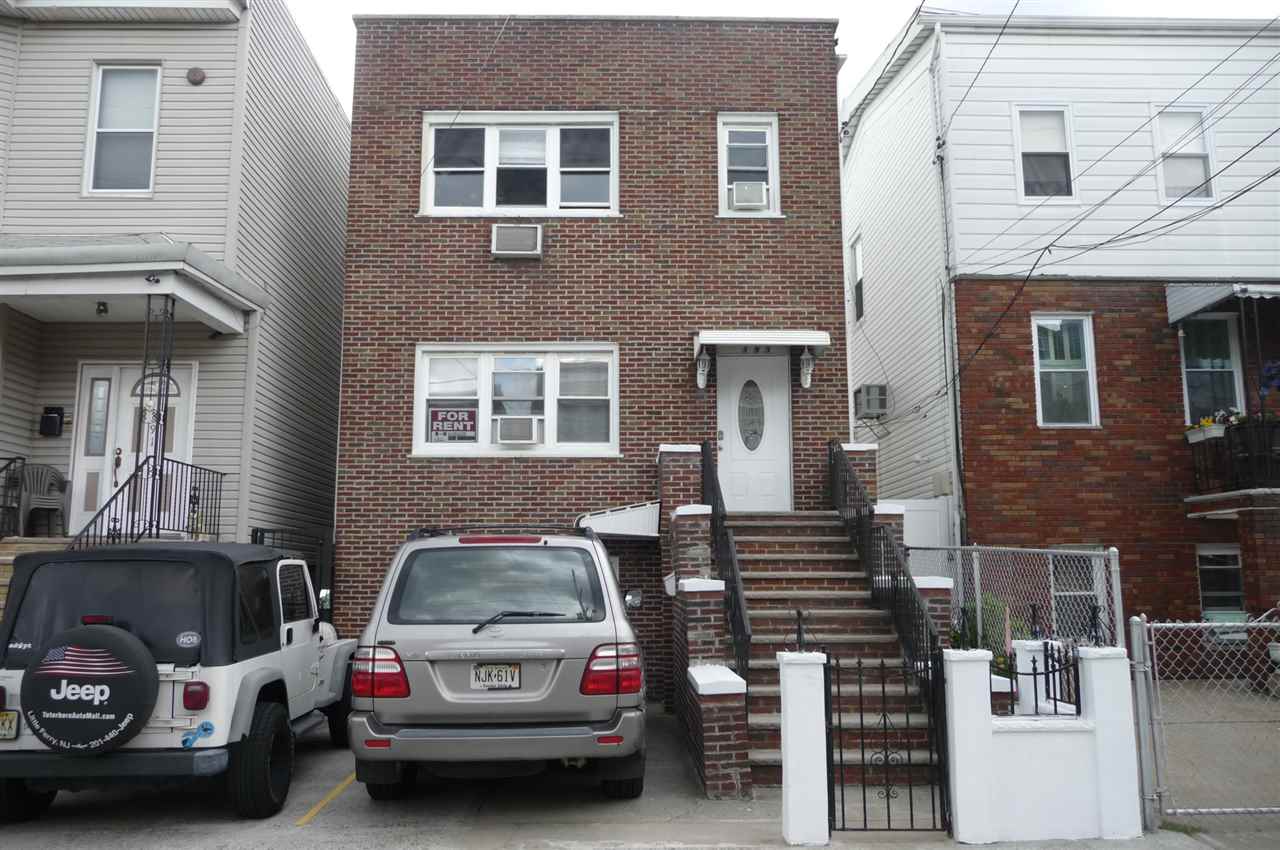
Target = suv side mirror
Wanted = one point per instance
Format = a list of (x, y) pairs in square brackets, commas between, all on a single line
[(633, 600)]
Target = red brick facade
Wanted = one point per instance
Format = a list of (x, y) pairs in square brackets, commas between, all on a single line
[(646, 281), (1123, 484)]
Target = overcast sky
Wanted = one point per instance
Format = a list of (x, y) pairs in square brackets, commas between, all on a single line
[(866, 26)]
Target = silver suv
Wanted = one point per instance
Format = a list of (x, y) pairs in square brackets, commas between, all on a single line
[(498, 654)]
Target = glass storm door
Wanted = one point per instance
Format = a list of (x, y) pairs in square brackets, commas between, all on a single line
[(753, 401), (108, 416)]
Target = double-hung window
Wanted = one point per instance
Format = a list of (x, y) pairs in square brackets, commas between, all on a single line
[(514, 399), (748, 163), (520, 164), (121, 150), (857, 278), (1184, 156), (1212, 379), (1044, 153), (1221, 579), (1066, 381)]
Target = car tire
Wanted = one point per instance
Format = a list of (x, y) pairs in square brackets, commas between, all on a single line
[(398, 790), (19, 803), (337, 715), (261, 767), (623, 789)]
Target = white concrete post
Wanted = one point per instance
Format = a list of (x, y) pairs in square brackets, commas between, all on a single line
[(804, 748), (1108, 703), (967, 674)]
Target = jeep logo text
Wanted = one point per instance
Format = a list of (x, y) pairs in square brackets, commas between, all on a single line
[(97, 694)]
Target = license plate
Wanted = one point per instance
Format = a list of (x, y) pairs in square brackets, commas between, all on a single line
[(495, 677), (8, 725)]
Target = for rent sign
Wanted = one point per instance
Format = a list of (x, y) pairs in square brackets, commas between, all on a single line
[(452, 425)]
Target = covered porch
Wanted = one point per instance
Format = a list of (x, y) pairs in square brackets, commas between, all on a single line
[(122, 387)]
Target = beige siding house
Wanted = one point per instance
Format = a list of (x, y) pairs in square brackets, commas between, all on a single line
[(170, 170)]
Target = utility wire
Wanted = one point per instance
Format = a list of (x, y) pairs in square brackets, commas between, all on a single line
[(1131, 134), (980, 68)]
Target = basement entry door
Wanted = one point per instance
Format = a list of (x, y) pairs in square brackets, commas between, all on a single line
[(753, 404)]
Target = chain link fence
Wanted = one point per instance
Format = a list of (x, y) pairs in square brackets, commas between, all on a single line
[(1004, 593), (1212, 707)]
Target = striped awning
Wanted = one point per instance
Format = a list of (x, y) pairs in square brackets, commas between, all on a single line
[(1187, 299)]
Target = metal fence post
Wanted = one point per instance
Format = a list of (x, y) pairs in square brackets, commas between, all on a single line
[(977, 599), (1113, 555), (1146, 740)]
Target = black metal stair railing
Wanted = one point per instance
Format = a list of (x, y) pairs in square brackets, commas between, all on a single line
[(11, 495), (724, 553), (159, 499)]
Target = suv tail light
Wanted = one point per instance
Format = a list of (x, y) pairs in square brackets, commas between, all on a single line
[(613, 668), (195, 696), (376, 671)]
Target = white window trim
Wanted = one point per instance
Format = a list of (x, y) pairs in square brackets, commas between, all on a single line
[(1233, 336), (726, 121), (491, 122), (91, 141), (1091, 362), (1157, 143), (1220, 549), (551, 387), (1065, 109), (855, 251)]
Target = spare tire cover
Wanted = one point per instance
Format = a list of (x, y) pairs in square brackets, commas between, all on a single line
[(89, 690)]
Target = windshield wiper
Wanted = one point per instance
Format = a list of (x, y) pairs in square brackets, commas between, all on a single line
[(502, 615)]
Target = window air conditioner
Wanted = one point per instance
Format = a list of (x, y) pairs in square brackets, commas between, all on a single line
[(517, 240), (871, 401), (517, 430), (749, 196)]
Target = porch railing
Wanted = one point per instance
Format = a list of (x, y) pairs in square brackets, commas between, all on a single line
[(1246, 456), (725, 554), (162, 498), (11, 495)]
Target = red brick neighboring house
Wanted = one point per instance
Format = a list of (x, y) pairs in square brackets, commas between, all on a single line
[(621, 138)]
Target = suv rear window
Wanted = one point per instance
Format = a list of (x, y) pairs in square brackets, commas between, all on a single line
[(156, 600), (470, 584)]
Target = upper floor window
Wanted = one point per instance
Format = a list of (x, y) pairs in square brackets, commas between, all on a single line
[(122, 148), (1044, 153), (857, 278), (520, 163), (748, 161), (494, 400), (1066, 380), (1184, 156), (1212, 379)]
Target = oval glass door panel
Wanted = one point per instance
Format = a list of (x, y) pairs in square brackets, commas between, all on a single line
[(751, 415)]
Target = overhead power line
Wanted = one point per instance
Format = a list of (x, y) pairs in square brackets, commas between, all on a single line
[(981, 67)]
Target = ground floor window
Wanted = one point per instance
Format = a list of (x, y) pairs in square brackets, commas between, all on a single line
[(515, 399), (1221, 579)]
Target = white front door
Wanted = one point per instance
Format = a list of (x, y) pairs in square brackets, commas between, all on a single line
[(753, 401), (108, 415)]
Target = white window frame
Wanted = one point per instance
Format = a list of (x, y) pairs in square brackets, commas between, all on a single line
[(1157, 142), (491, 122), (768, 121), (485, 353), (1091, 363), (1220, 549), (1233, 336), (1065, 109), (856, 263), (91, 142)]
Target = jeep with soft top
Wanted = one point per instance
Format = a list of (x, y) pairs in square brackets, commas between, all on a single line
[(161, 662)]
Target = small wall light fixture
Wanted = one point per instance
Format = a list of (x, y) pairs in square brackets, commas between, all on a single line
[(806, 368), (704, 368), (102, 309)]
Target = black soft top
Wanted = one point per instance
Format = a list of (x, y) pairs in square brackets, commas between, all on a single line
[(215, 566)]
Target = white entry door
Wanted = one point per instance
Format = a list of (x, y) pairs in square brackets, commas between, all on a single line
[(753, 401), (108, 415)]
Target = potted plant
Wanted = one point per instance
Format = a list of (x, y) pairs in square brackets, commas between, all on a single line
[(1214, 427)]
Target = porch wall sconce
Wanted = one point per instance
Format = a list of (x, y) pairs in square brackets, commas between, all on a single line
[(806, 368), (102, 309), (704, 369)]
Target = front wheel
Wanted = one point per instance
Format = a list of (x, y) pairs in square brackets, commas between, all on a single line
[(19, 803), (262, 764)]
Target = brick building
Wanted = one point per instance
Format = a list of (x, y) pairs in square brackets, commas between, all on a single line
[(684, 279)]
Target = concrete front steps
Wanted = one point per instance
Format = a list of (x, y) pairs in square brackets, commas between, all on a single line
[(804, 561), (12, 547)]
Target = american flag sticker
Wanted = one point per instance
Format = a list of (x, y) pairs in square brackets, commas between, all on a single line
[(77, 661)]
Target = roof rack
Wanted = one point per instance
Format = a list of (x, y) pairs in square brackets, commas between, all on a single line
[(423, 533)]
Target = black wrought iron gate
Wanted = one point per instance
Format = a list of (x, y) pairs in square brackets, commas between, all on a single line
[(886, 743)]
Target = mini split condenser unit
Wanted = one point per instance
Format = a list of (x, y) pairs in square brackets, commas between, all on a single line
[(871, 401), (517, 240)]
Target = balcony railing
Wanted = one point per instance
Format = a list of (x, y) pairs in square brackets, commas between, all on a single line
[(1246, 456)]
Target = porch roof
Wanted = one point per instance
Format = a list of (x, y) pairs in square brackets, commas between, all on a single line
[(1188, 299), (819, 341), (57, 278)]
